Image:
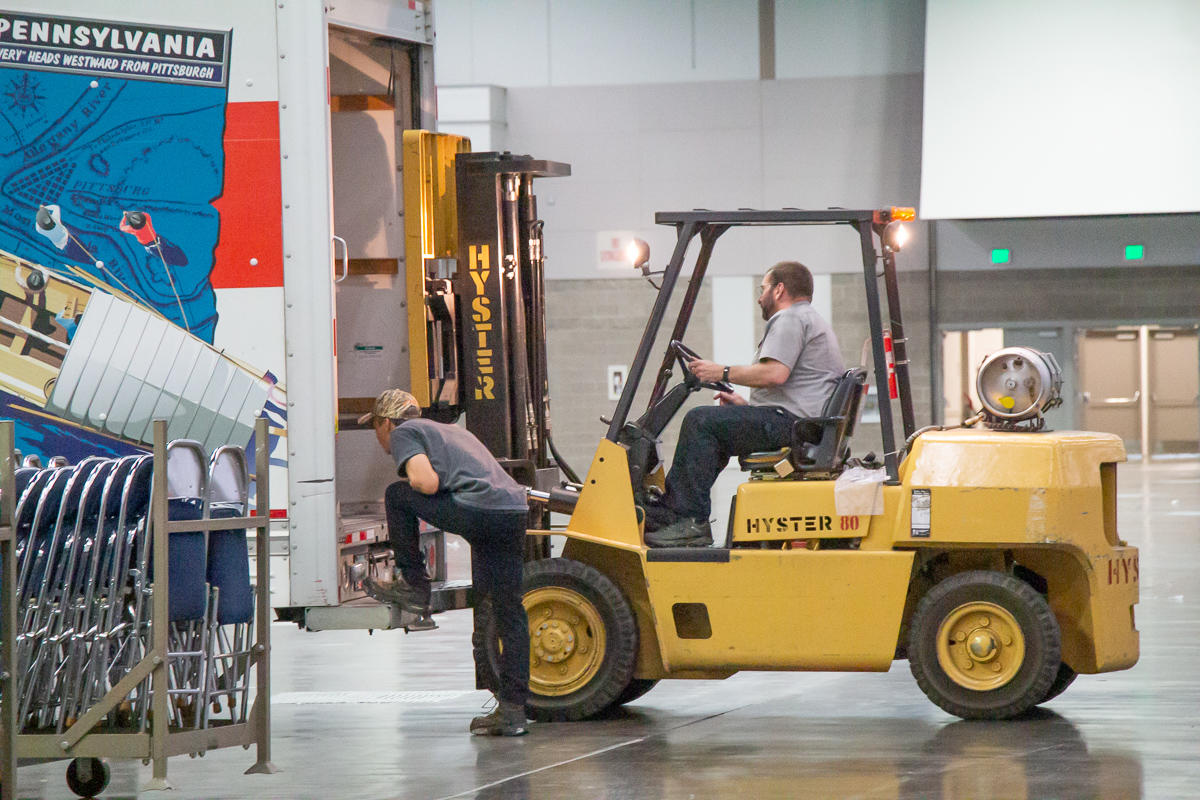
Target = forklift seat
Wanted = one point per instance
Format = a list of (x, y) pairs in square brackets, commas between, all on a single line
[(819, 444)]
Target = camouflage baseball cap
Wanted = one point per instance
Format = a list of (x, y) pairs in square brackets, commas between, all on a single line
[(392, 404)]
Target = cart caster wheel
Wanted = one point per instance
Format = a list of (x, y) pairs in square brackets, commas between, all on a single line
[(87, 777)]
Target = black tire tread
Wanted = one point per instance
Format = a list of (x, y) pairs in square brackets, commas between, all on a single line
[(1043, 618), (636, 688), (621, 640), (1065, 677)]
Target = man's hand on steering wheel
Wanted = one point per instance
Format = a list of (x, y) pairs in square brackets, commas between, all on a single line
[(708, 373)]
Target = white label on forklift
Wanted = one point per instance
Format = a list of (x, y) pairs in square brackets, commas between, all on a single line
[(920, 513)]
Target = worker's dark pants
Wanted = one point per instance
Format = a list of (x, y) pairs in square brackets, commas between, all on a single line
[(497, 541), (710, 436)]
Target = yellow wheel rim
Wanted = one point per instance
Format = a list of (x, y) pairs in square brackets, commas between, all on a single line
[(980, 646), (566, 641)]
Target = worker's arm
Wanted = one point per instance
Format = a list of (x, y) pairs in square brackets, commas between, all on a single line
[(421, 475), (767, 372)]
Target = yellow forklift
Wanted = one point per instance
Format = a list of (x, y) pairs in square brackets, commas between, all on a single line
[(987, 555)]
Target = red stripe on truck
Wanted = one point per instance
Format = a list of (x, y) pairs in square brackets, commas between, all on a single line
[(249, 250)]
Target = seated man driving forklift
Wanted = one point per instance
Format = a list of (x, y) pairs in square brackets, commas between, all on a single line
[(796, 368)]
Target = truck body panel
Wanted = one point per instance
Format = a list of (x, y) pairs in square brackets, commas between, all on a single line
[(223, 123)]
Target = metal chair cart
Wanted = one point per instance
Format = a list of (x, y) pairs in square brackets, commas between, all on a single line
[(139, 631)]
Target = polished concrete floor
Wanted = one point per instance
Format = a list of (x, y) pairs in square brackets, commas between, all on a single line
[(385, 716)]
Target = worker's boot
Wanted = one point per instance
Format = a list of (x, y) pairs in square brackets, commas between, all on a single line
[(685, 532), (658, 516), (655, 512), (399, 592), (507, 719)]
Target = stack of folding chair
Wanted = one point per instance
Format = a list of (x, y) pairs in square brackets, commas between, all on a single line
[(85, 587)]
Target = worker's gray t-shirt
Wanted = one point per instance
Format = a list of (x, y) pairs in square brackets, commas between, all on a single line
[(800, 339), (463, 465)]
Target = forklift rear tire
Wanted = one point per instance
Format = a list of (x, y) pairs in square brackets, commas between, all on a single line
[(984, 645), (1065, 677), (582, 640)]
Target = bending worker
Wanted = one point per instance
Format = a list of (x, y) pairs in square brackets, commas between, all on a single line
[(450, 480), (794, 372)]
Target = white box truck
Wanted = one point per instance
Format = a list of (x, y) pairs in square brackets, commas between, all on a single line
[(220, 211)]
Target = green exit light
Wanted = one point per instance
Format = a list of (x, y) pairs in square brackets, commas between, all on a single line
[(1001, 256), (1135, 252)]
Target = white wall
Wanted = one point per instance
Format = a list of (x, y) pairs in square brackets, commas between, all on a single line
[(655, 113), (578, 43), (842, 38), (477, 112), (635, 150), (523, 43), (1061, 108)]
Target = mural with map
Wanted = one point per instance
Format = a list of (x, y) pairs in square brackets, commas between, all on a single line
[(111, 156)]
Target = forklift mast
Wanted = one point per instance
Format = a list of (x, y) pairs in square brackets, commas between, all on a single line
[(476, 297), (500, 282)]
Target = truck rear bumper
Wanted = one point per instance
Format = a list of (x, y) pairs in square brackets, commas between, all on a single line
[(368, 614)]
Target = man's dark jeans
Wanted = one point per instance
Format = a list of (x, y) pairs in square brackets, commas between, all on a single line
[(710, 436), (497, 541)]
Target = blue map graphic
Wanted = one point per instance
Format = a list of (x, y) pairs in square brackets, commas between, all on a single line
[(125, 173)]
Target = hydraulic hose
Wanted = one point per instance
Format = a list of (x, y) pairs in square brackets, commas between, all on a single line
[(563, 465)]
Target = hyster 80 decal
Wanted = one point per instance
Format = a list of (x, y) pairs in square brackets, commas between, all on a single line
[(481, 314), (812, 523)]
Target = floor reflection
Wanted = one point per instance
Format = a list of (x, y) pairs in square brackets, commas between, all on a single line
[(1043, 755), (1122, 735)]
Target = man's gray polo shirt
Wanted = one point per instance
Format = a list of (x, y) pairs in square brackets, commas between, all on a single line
[(800, 339)]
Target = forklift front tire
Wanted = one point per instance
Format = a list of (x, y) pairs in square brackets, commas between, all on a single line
[(984, 645), (636, 688), (582, 640)]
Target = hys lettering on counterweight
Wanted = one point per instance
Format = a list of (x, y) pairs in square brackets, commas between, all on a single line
[(1122, 570), (478, 267)]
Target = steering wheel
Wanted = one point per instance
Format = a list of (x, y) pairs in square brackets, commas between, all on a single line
[(684, 355)]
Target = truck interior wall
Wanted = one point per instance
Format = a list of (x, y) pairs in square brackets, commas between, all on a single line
[(371, 95)]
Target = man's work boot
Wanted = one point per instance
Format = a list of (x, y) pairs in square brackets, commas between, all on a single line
[(399, 592), (685, 532), (658, 516), (507, 719)]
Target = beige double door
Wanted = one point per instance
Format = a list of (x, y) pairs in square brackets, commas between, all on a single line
[(1143, 384)]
